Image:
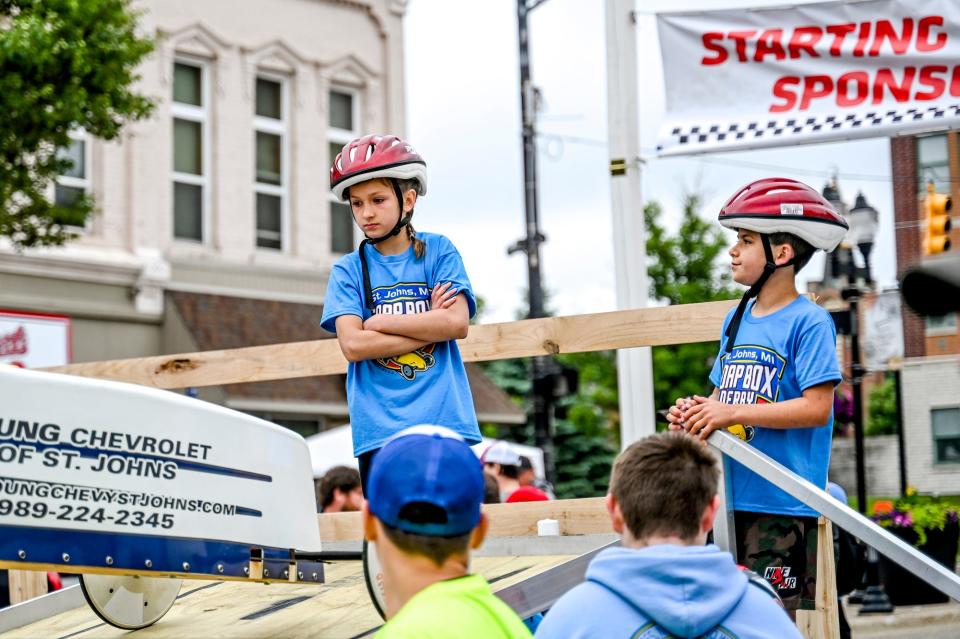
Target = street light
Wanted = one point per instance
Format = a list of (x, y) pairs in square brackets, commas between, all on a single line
[(863, 226), (863, 229)]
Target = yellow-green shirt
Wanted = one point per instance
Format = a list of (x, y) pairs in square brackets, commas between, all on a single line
[(462, 608)]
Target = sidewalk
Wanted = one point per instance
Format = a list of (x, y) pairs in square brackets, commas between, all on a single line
[(934, 621)]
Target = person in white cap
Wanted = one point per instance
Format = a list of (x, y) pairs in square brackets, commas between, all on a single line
[(503, 462)]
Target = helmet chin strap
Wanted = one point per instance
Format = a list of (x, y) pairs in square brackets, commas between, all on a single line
[(730, 335), (402, 221)]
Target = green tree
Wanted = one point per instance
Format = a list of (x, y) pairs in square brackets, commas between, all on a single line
[(586, 438), (64, 65), (586, 427), (683, 269), (882, 408)]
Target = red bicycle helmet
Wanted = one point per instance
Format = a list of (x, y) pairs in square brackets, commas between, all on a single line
[(779, 205), (376, 156), (782, 205)]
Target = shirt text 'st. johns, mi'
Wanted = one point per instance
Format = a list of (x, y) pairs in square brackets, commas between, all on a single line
[(426, 386), (775, 358)]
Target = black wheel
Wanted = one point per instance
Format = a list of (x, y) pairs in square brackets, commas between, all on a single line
[(373, 577)]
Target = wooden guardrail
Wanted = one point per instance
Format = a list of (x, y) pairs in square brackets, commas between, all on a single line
[(681, 324), (586, 516)]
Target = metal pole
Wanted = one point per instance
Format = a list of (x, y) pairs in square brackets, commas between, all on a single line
[(874, 599), (634, 365), (901, 443), (724, 525), (531, 244), (541, 389), (857, 374), (857, 379)]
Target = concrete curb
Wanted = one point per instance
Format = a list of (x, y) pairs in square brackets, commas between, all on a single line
[(907, 620)]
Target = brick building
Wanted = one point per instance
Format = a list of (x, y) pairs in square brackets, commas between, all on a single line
[(931, 368)]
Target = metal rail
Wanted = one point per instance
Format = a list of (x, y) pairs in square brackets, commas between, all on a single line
[(842, 515), (42, 607), (539, 592)]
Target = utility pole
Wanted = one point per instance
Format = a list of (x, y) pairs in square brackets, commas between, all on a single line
[(542, 388), (634, 365)]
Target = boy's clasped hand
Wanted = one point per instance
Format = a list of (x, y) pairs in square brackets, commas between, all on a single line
[(700, 416)]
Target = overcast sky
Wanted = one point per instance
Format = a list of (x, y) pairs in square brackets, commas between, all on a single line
[(463, 116)]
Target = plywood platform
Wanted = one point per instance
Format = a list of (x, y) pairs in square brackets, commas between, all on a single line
[(338, 609)]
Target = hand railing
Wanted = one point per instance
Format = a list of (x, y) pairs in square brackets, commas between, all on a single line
[(735, 451)]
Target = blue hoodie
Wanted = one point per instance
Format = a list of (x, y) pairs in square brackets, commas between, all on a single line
[(666, 591)]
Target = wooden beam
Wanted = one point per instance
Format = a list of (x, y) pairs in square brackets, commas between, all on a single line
[(576, 517), (680, 324), (824, 621), (586, 516), (26, 584), (340, 526)]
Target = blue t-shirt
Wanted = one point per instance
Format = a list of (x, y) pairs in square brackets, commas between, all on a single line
[(427, 386), (776, 358)]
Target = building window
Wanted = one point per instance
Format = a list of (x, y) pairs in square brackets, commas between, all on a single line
[(933, 162), (946, 434), (343, 126), (942, 324), (74, 182), (270, 187), (189, 151)]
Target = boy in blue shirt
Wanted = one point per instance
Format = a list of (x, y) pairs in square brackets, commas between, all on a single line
[(423, 514), (397, 304), (774, 378), (664, 580)]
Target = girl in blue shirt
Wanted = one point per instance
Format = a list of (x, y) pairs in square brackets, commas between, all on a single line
[(398, 303)]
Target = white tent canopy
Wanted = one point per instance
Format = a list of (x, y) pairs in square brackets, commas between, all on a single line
[(334, 447)]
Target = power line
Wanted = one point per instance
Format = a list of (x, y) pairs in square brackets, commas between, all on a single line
[(815, 172), (826, 173)]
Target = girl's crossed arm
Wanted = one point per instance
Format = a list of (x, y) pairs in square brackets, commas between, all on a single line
[(447, 319), (359, 343)]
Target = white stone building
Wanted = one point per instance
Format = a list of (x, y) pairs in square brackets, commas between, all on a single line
[(220, 200), (931, 423)]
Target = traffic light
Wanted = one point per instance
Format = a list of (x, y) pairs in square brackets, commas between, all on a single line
[(936, 208)]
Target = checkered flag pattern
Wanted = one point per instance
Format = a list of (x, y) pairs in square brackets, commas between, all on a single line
[(784, 131)]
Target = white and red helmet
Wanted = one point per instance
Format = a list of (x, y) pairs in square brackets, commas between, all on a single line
[(376, 156), (779, 205), (782, 205)]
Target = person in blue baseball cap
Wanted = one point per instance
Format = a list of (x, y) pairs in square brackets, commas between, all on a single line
[(423, 513)]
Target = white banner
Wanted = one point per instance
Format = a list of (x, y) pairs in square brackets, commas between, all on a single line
[(750, 78), (31, 340), (882, 331)]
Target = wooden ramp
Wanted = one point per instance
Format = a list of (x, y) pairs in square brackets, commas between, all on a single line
[(338, 609)]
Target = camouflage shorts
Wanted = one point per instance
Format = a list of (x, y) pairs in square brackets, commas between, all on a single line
[(782, 549)]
